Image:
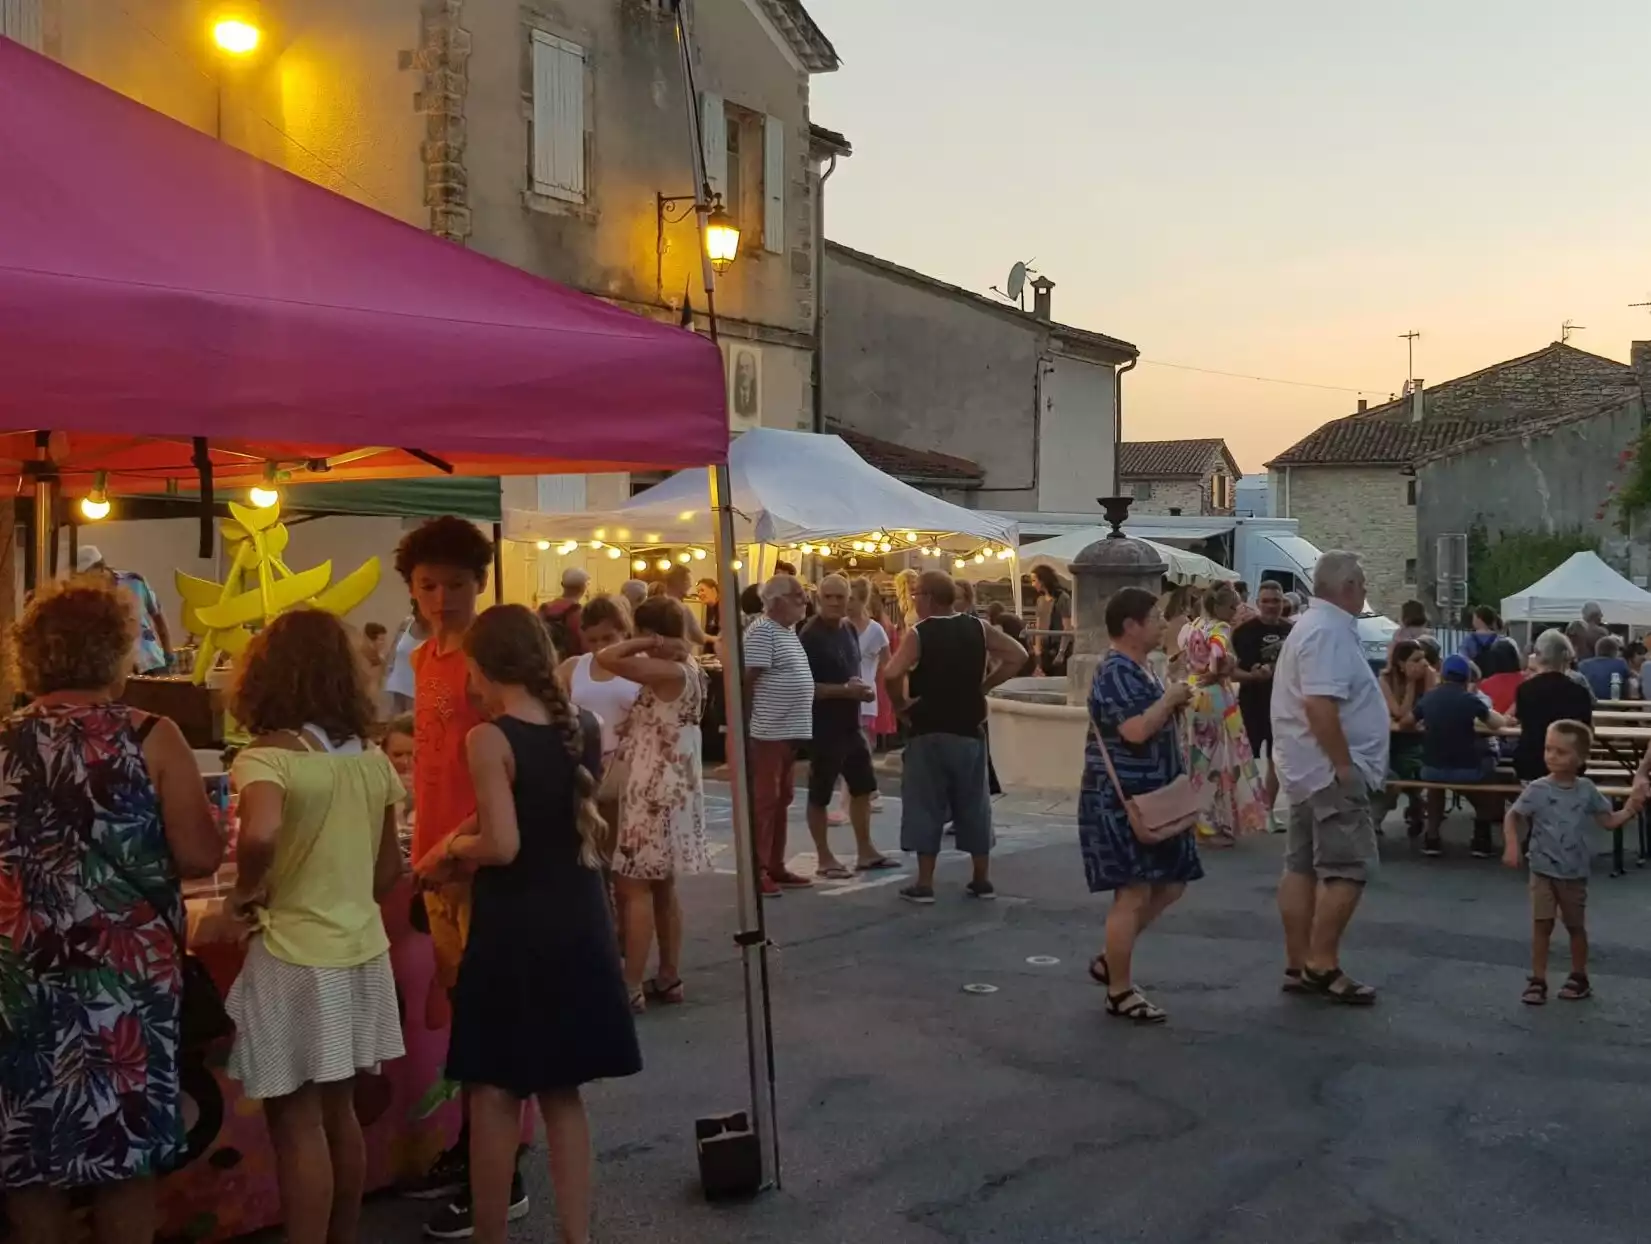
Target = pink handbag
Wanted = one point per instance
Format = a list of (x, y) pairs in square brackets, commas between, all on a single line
[(1158, 815)]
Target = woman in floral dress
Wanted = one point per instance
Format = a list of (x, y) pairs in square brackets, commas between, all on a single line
[(662, 813), (1221, 765), (102, 809)]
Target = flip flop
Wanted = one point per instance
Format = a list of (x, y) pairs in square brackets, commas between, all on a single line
[(835, 873), (881, 864)]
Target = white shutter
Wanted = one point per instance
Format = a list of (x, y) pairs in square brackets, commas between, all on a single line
[(713, 123), (558, 117), (773, 185), (20, 20)]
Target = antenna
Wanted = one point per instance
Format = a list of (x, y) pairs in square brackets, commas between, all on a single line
[(1567, 328), (1646, 304), (1410, 358)]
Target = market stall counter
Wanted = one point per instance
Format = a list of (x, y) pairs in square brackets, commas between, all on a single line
[(408, 1111)]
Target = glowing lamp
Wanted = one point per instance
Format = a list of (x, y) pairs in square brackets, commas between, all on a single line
[(95, 504), (639, 565), (614, 553), (664, 563), (236, 36), (722, 238), (543, 546)]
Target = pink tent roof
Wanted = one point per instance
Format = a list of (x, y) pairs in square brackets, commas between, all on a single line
[(157, 285)]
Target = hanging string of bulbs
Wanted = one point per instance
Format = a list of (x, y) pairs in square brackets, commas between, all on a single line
[(651, 551)]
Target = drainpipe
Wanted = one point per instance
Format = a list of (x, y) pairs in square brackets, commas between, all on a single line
[(1118, 421), (819, 294)]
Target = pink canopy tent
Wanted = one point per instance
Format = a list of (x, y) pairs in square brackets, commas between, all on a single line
[(158, 286)]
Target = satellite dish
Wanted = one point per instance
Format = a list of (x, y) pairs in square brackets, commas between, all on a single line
[(1016, 283)]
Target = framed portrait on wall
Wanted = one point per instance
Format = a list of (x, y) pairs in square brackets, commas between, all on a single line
[(742, 363)]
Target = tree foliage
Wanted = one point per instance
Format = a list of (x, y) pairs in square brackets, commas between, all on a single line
[(1513, 561)]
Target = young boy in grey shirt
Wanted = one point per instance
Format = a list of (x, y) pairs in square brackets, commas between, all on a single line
[(1557, 810)]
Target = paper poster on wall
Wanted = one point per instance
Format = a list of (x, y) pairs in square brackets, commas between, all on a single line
[(742, 363)]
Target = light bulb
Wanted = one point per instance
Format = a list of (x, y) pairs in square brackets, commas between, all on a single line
[(699, 555), (94, 509), (979, 558), (805, 549), (884, 547), (543, 546), (737, 564), (596, 544), (959, 564), (639, 565), (235, 36), (615, 554), (684, 558), (263, 498), (911, 537), (664, 563)]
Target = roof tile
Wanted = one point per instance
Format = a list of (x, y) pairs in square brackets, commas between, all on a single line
[(903, 463), (1188, 459)]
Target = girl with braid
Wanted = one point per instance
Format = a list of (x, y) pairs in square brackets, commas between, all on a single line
[(662, 812), (540, 1007)]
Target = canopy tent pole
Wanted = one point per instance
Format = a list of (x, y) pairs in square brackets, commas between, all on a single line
[(45, 512), (752, 937)]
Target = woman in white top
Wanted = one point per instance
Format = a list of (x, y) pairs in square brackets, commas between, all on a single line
[(874, 655), (399, 682)]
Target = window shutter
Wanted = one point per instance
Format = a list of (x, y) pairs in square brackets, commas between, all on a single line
[(558, 117), (773, 185), (20, 20), (713, 123)]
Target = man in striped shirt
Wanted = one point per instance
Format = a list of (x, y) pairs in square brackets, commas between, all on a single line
[(779, 707)]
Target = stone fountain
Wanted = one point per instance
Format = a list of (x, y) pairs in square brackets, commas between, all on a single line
[(1038, 724)]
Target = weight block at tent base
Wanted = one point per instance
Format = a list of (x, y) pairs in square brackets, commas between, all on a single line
[(730, 1162)]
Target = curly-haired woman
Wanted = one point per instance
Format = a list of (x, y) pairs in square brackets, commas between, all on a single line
[(102, 809), (540, 1006), (315, 1002)]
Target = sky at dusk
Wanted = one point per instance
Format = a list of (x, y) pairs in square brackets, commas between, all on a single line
[(1276, 189)]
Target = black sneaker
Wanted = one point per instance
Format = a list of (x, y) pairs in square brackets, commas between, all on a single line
[(455, 1222), (1432, 845), (980, 889), (445, 1180), (1481, 848), (923, 894)]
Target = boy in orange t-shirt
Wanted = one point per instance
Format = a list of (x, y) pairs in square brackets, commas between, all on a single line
[(445, 563)]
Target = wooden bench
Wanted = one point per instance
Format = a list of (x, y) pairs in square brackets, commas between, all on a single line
[(1511, 789)]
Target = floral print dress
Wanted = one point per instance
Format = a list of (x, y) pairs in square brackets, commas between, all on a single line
[(662, 814), (90, 983), (1223, 769)]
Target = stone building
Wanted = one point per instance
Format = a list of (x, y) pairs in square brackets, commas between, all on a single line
[(539, 132), (1352, 483), (1178, 477), (1558, 474), (1032, 404)]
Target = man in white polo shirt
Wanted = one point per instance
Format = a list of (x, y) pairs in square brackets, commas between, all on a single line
[(1330, 728), (779, 707)]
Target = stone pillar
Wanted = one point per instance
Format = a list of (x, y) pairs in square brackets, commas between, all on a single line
[(1112, 563)]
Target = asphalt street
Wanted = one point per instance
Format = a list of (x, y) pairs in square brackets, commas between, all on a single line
[(913, 1110)]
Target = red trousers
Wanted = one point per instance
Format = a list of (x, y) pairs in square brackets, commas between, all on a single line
[(773, 782)]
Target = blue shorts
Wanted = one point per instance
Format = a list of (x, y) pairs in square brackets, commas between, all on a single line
[(943, 777)]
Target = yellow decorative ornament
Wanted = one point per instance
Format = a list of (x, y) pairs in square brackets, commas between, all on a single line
[(221, 613)]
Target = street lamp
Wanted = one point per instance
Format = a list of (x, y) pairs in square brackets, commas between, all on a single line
[(722, 232)]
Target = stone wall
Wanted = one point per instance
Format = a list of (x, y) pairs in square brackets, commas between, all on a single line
[(1187, 495), (1551, 383), (1560, 480), (1363, 510)]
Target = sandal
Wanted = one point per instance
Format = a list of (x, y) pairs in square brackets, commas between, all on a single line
[(1536, 992), (1132, 1006), (639, 1002), (1576, 988), (835, 873), (668, 993), (1293, 982), (881, 864), (1337, 986), (1098, 971)]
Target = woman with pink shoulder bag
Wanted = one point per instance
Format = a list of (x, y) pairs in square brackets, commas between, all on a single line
[(1136, 806)]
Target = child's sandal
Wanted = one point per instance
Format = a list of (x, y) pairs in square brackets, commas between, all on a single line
[(1536, 992), (1576, 988)]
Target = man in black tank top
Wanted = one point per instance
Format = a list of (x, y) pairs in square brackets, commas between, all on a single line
[(949, 662)]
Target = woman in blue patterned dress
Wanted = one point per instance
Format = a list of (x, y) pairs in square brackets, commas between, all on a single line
[(102, 809), (1135, 715)]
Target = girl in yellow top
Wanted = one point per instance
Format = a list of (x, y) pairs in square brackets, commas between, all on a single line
[(316, 1001)]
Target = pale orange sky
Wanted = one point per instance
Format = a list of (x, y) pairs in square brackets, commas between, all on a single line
[(1276, 189)]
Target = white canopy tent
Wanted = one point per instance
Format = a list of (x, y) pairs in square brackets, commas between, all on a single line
[(1183, 567), (789, 488), (1583, 579)]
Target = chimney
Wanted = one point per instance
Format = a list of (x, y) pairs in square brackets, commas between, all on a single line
[(1364, 405), (1416, 407), (1640, 357), (1040, 298)]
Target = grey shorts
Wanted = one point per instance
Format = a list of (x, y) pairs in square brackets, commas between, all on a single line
[(1333, 834), (943, 778)]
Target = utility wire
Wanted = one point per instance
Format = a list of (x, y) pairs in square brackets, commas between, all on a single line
[(1234, 375)]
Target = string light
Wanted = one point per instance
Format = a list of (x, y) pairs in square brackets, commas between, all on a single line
[(639, 565), (266, 494), (911, 537), (959, 564), (543, 546), (615, 554), (664, 563), (684, 558), (95, 504), (737, 564), (699, 555)]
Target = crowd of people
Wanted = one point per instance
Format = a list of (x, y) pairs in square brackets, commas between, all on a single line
[(541, 772), (1335, 734)]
